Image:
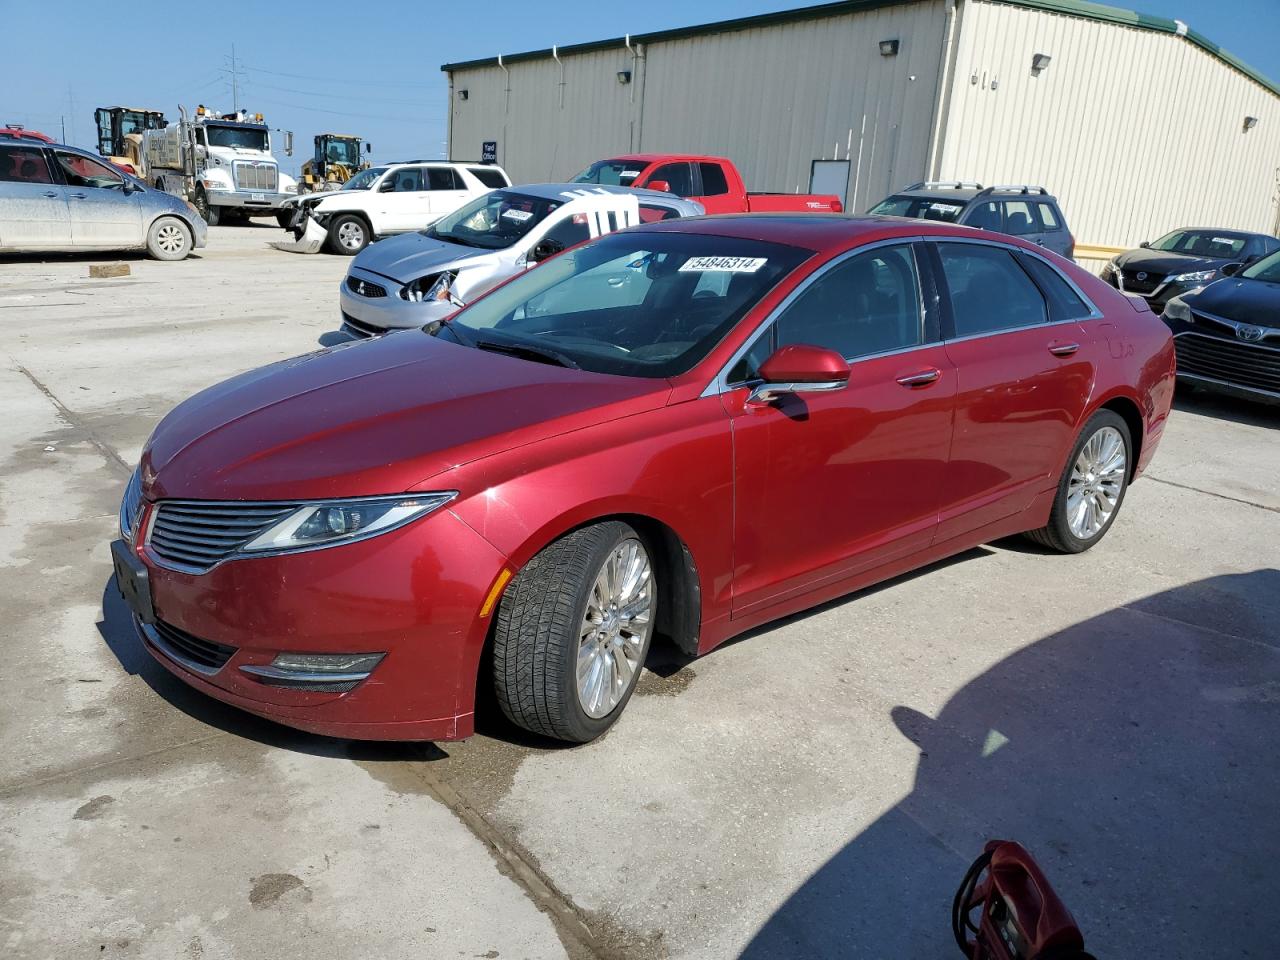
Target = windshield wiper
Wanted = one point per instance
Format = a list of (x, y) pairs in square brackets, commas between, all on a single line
[(529, 352)]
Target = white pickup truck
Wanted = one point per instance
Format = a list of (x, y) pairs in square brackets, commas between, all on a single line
[(388, 199)]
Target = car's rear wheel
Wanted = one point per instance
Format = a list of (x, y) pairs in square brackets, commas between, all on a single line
[(348, 234), (169, 239), (573, 630), (1092, 486)]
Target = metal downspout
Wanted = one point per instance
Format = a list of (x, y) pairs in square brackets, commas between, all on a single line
[(942, 102)]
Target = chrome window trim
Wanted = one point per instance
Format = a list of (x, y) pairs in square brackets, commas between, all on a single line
[(720, 383)]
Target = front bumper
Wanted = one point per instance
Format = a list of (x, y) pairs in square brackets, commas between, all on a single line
[(414, 594), (372, 315), (255, 200), (1216, 357)]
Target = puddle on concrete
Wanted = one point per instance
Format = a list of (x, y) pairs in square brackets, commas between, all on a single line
[(656, 685)]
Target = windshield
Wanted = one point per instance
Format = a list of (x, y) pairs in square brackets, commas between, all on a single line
[(919, 208), (135, 121), (615, 173), (648, 304), (1268, 269), (364, 179), (1203, 243), (343, 151), (246, 138), (493, 221)]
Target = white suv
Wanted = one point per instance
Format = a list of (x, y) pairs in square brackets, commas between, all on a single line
[(391, 198)]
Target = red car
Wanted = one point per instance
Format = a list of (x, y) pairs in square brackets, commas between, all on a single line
[(690, 428)]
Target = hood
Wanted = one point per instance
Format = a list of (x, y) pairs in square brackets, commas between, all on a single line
[(1162, 262), (372, 417), (413, 255), (1255, 302)]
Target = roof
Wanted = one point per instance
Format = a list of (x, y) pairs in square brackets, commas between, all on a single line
[(1075, 8), (941, 192), (810, 231), (556, 191)]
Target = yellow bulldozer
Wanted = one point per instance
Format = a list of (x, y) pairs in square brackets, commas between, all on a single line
[(337, 159)]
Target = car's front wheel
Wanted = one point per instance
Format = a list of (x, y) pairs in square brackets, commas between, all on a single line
[(348, 234), (573, 630), (1092, 486), (169, 239)]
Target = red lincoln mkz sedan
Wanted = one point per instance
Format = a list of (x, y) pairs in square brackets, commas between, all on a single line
[(687, 428)]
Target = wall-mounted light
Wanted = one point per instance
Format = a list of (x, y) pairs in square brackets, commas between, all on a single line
[(889, 48), (463, 94), (624, 76), (1039, 61), (1250, 122)]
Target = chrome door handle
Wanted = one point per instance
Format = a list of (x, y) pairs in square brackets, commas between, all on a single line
[(923, 378), (50, 194), (1063, 349), (78, 196)]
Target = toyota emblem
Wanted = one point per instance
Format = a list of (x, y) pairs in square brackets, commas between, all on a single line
[(1140, 276), (1251, 334)]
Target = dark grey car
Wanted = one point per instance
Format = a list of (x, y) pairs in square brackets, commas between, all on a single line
[(1031, 213)]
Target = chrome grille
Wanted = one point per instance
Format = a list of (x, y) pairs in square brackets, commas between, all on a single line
[(204, 656), (1235, 362), (251, 176), (131, 506), (196, 534)]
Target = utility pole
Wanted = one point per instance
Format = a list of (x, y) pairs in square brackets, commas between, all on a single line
[(64, 129), (235, 89)]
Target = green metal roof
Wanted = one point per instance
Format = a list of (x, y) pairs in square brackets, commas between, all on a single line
[(1073, 8)]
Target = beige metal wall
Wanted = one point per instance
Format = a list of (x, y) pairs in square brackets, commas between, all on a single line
[(1136, 132), (772, 98)]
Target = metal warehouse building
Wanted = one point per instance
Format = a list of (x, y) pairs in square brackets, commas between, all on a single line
[(1138, 124)]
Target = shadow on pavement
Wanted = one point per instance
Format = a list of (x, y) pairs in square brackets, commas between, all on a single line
[(1134, 754), (1206, 403)]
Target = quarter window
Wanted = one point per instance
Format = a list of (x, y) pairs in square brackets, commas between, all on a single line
[(679, 176), (24, 165), (489, 176), (713, 181), (1064, 302), (989, 291), (868, 304), (1048, 216)]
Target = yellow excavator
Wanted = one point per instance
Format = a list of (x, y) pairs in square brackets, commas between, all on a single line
[(337, 159), (120, 134)]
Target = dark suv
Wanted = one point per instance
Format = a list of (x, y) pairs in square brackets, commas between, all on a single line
[(1020, 211)]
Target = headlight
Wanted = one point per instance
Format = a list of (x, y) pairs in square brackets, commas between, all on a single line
[(328, 523), (290, 188), (215, 185), (431, 288), (1177, 309), (1196, 276)]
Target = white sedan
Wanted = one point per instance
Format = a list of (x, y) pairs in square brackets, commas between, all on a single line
[(390, 199)]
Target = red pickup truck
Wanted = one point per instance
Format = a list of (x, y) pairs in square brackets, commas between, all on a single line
[(713, 182)]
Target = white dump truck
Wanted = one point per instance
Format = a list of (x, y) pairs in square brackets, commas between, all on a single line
[(222, 163)]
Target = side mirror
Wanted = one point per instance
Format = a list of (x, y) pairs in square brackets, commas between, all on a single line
[(288, 143), (660, 185), (387, 186), (800, 368), (1144, 244), (1231, 269), (545, 249), (368, 148)]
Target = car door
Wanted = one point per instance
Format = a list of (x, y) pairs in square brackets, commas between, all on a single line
[(830, 484), (33, 205), (104, 214), (404, 201), (1023, 381), (714, 189), (448, 190)]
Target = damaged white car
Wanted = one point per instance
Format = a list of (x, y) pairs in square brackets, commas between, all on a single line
[(385, 200), (415, 279)]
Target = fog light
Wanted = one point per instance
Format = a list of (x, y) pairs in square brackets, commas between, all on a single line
[(316, 671)]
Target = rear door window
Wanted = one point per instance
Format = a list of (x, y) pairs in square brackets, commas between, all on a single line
[(444, 178), (24, 165), (679, 176), (1019, 219), (989, 291), (714, 183), (489, 176)]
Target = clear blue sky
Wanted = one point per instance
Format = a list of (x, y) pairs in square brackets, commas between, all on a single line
[(369, 68)]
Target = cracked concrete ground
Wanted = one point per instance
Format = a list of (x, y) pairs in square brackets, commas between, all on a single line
[(815, 789)]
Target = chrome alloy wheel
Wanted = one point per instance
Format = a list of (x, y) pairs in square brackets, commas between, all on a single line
[(615, 629), (170, 238), (351, 235), (1097, 480)]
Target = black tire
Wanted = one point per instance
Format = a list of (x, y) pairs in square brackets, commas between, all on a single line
[(284, 218), (538, 633), (169, 239), (1057, 534), (208, 212), (348, 234)]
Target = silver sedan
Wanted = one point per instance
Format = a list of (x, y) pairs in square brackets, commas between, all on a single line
[(59, 198)]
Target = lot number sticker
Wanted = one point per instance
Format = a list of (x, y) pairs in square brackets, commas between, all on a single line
[(520, 216), (724, 264)]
